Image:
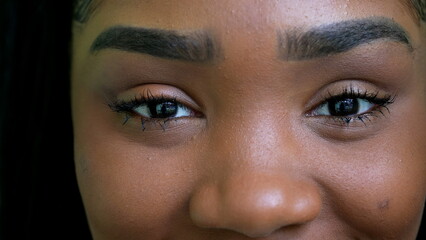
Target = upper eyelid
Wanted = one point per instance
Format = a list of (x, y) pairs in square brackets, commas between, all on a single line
[(138, 100), (358, 93), (128, 106), (345, 84), (150, 90)]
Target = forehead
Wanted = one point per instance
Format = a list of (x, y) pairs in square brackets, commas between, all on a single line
[(251, 15), (253, 19), (205, 9)]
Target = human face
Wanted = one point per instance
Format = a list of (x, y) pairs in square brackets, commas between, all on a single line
[(243, 135)]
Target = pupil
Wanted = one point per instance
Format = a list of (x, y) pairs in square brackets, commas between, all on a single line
[(343, 107), (163, 109)]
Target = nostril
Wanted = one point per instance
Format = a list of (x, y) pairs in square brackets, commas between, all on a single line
[(254, 208)]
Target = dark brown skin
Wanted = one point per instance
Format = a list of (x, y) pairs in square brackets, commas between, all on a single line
[(255, 163)]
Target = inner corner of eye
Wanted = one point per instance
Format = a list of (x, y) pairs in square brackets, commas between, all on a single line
[(321, 109)]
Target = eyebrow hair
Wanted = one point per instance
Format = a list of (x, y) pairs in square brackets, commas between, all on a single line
[(196, 46), (338, 37)]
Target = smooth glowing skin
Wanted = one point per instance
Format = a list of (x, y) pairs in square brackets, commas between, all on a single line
[(255, 165)]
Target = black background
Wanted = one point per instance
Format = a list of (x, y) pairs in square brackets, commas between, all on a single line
[(39, 194)]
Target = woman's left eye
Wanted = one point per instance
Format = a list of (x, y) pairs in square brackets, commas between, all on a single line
[(344, 107), (162, 109)]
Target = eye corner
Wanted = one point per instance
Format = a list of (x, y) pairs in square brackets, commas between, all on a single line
[(312, 110), (117, 106)]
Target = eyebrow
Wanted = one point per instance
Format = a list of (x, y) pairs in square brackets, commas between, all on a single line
[(338, 37), (197, 46)]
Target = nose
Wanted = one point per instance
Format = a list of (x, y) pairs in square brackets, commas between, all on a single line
[(254, 204)]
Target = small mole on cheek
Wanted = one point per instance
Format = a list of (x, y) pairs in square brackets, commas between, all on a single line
[(383, 205)]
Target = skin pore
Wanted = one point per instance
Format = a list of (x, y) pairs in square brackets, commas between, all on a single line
[(286, 123)]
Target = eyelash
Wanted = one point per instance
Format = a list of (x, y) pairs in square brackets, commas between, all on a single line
[(350, 93), (128, 107)]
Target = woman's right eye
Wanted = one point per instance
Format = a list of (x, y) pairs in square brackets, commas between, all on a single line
[(153, 109)]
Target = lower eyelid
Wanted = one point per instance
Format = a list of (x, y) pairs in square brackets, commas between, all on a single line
[(359, 120), (136, 125), (338, 129), (156, 134)]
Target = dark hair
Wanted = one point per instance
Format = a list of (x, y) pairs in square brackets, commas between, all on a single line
[(39, 197), (419, 8)]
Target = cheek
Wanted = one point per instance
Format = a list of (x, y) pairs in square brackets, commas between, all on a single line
[(381, 202), (128, 189), (130, 194), (379, 186)]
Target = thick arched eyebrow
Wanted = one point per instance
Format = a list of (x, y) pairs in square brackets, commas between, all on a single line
[(330, 39), (197, 46)]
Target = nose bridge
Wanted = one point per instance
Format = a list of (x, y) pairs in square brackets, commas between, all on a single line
[(251, 137), (253, 184)]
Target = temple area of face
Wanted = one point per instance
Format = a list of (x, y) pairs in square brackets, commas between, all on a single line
[(194, 47), (330, 39)]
